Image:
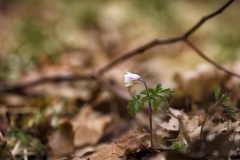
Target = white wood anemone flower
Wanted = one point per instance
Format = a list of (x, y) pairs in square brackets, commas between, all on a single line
[(131, 79)]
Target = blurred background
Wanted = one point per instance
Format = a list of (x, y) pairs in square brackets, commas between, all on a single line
[(47, 38)]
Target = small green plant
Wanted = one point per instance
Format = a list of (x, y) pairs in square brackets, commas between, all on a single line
[(154, 96), (20, 134), (221, 100), (225, 103), (24, 138), (178, 146)]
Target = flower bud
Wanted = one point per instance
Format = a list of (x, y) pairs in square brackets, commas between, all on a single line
[(131, 79)]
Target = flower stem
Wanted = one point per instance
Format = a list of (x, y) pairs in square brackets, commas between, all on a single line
[(150, 115), (201, 132)]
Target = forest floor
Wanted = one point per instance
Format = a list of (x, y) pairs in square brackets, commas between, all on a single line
[(62, 90)]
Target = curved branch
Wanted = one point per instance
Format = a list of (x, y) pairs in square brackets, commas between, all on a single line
[(139, 50), (208, 59), (205, 18), (156, 42)]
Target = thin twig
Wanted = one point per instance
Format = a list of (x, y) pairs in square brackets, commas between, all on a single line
[(139, 50), (205, 18), (208, 59), (57, 78)]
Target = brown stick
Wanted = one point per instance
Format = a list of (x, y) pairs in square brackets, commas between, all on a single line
[(20, 86), (139, 50), (208, 59)]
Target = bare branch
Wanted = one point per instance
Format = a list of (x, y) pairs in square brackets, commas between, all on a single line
[(139, 50), (58, 78), (205, 18), (20, 86), (156, 42), (209, 60)]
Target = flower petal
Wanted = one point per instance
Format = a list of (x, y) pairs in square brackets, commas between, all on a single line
[(130, 79), (127, 85)]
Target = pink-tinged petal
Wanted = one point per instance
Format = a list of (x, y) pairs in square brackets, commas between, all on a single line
[(134, 77), (131, 79)]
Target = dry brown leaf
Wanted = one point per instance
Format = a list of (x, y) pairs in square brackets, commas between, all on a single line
[(235, 126), (220, 146), (215, 130), (172, 123), (160, 137), (89, 126), (61, 142), (79, 152), (125, 145)]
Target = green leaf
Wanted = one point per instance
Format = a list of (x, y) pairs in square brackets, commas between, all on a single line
[(225, 103), (155, 104), (138, 97), (155, 97), (152, 91), (229, 109), (217, 93), (165, 91), (225, 97), (148, 91), (37, 147), (154, 101), (158, 87), (162, 100), (150, 99), (133, 111), (178, 146), (130, 103), (135, 97), (145, 92), (173, 92), (23, 137), (144, 100), (136, 106)]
